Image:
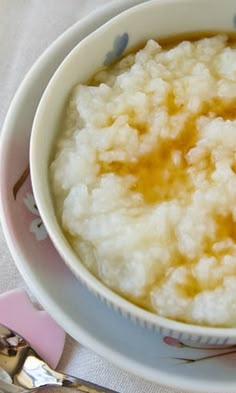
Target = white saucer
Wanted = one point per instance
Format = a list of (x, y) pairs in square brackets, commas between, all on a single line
[(81, 314)]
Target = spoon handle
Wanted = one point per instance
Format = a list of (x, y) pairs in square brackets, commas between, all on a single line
[(84, 386), (60, 379)]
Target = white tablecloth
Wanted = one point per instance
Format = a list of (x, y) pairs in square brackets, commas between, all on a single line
[(27, 27)]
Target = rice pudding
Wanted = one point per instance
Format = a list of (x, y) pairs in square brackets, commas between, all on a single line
[(144, 178)]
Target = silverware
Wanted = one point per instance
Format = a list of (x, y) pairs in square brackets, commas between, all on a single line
[(23, 371)]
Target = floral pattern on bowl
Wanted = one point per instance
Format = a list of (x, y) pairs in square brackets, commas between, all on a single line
[(119, 45), (234, 21)]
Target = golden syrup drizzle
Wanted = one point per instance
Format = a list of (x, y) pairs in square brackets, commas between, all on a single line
[(218, 107), (158, 176), (225, 228)]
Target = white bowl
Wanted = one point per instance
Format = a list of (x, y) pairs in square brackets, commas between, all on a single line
[(153, 19)]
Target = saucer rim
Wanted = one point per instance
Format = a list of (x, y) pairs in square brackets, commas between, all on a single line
[(44, 298)]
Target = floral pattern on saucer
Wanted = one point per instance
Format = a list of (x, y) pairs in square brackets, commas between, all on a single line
[(217, 351), (36, 226)]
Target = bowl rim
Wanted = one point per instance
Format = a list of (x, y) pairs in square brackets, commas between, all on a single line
[(118, 302)]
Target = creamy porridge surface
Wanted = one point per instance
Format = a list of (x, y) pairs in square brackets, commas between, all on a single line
[(144, 179)]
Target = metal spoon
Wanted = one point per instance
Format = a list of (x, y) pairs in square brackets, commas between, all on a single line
[(23, 371)]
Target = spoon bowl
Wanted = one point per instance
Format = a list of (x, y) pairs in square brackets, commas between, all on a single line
[(23, 370)]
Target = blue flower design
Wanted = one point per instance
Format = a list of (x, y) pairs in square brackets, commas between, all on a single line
[(234, 21), (119, 46)]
